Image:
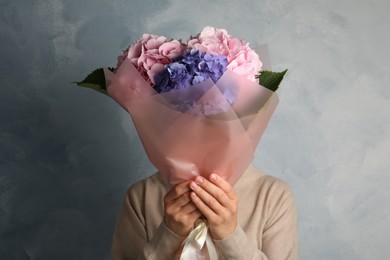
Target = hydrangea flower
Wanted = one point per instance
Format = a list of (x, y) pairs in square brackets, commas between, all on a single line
[(192, 68)]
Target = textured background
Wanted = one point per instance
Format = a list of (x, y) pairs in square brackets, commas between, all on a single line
[(68, 154)]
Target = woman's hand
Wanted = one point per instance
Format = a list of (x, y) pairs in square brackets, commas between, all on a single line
[(180, 212), (217, 201)]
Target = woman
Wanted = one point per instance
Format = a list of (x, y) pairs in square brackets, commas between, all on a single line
[(255, 219)]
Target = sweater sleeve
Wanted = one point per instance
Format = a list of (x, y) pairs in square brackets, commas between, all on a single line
[(130, 240), (279, 238)]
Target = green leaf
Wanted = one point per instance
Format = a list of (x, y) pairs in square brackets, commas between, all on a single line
[(270, 79), (95, 80)]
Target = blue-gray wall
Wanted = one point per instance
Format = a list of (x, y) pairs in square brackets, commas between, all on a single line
[(68, 154)]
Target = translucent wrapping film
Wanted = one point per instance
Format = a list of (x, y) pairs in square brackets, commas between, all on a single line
[(208, 135)]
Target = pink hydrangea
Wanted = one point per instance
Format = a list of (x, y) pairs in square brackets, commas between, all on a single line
[(241, 58), (150, 53)]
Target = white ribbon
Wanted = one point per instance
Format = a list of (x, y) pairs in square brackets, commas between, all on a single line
[(195, 241)]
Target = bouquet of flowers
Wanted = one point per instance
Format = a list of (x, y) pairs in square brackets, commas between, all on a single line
[(199, 107)]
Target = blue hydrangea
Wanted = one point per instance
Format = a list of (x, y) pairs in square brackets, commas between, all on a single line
[(192, 68)]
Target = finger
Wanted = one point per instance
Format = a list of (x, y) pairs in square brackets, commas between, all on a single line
[(194, 215), (224, 185), (212, 189), (207, 212), (181, 207), (178, 190), (182, 200), (207, 198), (188, 208)]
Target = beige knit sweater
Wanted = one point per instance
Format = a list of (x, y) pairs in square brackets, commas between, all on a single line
[(266, 216)]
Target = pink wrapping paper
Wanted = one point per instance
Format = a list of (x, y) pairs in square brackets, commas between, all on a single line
[(184, 145)]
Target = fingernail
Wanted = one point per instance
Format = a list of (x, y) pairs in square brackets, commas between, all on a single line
[(193, 186), (213, 177), (199, 180)]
